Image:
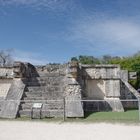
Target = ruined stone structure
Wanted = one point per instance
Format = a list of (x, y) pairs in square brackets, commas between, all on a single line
[(59, 89)]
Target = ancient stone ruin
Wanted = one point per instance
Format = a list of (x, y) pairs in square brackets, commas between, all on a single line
[(24, 88)]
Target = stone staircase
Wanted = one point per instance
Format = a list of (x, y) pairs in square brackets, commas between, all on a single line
[(46, 88)]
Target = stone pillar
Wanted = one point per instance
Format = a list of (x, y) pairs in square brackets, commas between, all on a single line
[(73, 97)]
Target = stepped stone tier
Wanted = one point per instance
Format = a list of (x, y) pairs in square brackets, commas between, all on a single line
[(56, 90)]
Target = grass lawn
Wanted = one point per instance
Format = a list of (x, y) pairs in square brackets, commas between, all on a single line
[(127, 116)]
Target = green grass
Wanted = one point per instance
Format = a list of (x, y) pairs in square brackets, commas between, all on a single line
[(127, 116)]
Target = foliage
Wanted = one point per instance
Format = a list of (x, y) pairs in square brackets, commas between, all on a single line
[(88, 60), (131, 64), (74, 59), (83, 59)]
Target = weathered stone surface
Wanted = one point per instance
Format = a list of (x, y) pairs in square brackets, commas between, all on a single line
[(4, 88), (12, 102), (73, 106), (132, 75), (6, 72), (112, 88), (19, 70), (101, 71), (23, 70), (115, 104), (123, 75), (95, 89), (1, 103), (131, 89), (47, 87)]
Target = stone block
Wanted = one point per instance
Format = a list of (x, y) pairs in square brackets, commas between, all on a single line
[(4, 88), (115, 104), (123, 74), (112, 88), (74, 108)]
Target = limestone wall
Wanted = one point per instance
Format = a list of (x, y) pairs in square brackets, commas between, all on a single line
[(73, 99), (102, 81), (112, 88), (10, 106), (73, 92), (98, 89), (101, 71), (4, 87), (95, 89)]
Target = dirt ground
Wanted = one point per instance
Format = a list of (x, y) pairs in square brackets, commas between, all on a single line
[(20, 130)]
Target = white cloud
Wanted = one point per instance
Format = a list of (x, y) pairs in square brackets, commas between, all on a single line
[(112, 36), (33, 58)]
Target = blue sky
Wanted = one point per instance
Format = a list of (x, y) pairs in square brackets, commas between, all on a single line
[(42, 31)]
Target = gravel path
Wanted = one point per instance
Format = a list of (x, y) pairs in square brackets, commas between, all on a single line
[(18, 130)]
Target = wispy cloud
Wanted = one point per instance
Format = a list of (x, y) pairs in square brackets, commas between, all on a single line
[(112, 36), (33, 58), (39, 4)]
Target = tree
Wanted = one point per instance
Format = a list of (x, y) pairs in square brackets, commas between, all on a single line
[(5, 58), (83, 59), (74, 59), (130, 64), (106, 59)]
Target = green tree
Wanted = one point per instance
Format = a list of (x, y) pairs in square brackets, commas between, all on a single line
[(83, 59), (74, 59)]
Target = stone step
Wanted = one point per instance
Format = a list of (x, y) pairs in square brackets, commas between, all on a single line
[(25, 113), (39, 94), (44, 113), (44, 83), (35, 98), (45, 97), (45, 74), (53, 105), (32, 79), (25, 106), (46, 106), (52, 113), (44, 88), (50, 101)]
